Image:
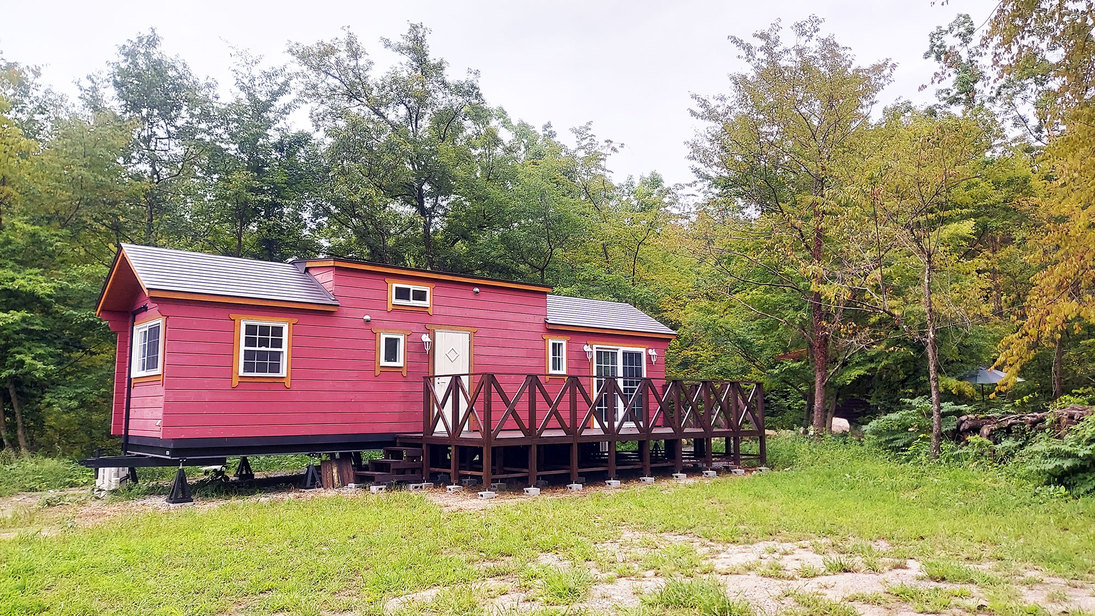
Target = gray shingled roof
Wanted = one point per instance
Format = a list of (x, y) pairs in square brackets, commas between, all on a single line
[(164, 269), (581, 312)]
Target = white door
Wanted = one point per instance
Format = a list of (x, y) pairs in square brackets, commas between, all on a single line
[(451, 356)]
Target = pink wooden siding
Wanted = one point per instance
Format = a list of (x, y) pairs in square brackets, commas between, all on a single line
[(147, 400), (334, 388)]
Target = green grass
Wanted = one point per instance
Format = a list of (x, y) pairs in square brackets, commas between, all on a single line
[(814, 604), (928, 599), (701, 596), (351, 553)]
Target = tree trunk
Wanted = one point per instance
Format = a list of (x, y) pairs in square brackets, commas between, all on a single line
[(933, 363), (1058, 359), (4, 427), (427, 242), (819, 352), (819, 323), (20, 432)]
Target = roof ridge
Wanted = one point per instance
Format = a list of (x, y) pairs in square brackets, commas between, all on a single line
[(201, 254)]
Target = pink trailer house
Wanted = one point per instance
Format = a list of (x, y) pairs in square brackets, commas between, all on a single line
[(450, 374)]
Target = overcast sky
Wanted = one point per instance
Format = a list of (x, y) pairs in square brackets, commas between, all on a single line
[(627, 66)]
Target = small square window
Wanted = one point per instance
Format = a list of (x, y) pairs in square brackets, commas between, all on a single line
[(391, 350)]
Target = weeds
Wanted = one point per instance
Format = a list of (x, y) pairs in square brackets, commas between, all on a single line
[(704, 596)]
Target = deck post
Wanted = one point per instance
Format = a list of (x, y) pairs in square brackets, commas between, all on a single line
[(760, 429), (425, 461), (612, 457), (644, 455), (487, 432), (454, 463), (532, 460), (678, 454), (487, 461), (574, 460), (737, 450)]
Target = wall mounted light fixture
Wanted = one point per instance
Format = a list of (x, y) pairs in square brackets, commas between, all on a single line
[(426, 342), (589, 351), (653, 356)]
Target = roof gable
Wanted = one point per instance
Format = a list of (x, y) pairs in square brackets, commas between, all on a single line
[(600, 314)]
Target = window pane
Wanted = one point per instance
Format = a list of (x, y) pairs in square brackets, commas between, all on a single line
[(403, 293), (419, 295), (391, 349), (251, 330), (557, 360), (261, 362)]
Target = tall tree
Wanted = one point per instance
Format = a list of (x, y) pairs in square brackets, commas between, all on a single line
[(773, 157), (919, 187), (260, 174), (411, 121), (1049, 44), (171, 113)]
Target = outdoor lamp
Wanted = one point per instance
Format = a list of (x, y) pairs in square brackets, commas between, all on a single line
[(426, 342), (589, 351), (653, 356)]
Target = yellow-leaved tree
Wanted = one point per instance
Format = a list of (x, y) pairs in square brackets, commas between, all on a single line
[(1050, 45)]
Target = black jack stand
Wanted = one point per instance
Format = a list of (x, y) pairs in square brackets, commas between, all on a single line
[(312, 480), (243, 471), (180, 491)]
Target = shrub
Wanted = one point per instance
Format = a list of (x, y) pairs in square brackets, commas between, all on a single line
[(36, 474), (899, 431), (1067, 462)]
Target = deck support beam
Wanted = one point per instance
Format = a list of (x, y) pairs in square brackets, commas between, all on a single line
[(644, 457), (533, 453), (454, 463), (487, 461)]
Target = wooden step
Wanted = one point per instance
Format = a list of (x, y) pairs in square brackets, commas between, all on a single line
[(394, 465), (381, 477), (402, 452)]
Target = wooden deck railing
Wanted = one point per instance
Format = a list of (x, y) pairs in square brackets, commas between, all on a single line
[(494, 407)]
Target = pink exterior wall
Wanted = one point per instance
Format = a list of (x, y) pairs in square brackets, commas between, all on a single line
[(147, 400), (334, 386)]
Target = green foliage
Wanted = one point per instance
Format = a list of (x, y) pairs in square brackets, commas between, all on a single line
[(899, 431), (1067, 461), (39, 473)]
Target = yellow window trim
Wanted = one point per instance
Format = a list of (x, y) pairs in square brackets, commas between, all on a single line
[(391, 332), (548, 338), (409, 283), (236, 378)]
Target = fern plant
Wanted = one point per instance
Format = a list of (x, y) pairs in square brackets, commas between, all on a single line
[(1068, 462)]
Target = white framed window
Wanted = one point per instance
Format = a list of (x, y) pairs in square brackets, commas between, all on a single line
[(392, 350), (557, 356), (410, 295), (263, 348), (147, 348)]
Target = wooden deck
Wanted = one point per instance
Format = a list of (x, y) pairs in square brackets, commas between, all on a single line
[(503, 426)]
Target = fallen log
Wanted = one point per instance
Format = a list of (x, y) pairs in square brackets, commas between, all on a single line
[(988, 426)]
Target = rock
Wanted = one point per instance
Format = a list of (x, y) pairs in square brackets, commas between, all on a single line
[(841, 426)]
